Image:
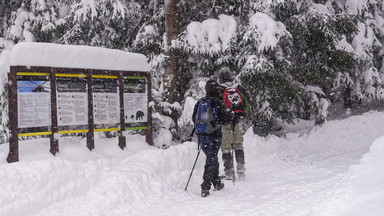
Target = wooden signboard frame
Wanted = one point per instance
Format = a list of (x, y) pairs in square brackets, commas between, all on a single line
[(53, 129)]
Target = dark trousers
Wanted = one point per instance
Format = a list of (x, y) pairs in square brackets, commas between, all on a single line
[(210, 146)]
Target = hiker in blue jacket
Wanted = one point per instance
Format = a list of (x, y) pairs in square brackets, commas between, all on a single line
[(209, 134)]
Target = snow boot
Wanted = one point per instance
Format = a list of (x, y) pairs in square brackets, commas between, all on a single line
[(241, 175), (228, 166), (241, 172), (210, 176), (218, 187), (204, 193), (228, 175), (239, 154)]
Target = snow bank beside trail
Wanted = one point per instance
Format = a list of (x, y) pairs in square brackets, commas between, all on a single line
[(334, 137), (128, 186), (367, 182), (364, 188), (97, 187), (341, 135), (28, 186)]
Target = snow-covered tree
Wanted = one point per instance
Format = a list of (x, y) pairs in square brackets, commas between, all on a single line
[(5, 45), (291, 49), (270, 88), (36, 20), (368, 47), (107, 23)]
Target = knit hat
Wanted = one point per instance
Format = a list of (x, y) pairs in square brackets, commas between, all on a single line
[(225, 74)]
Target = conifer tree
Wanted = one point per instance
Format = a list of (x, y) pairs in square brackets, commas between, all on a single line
[(110, 23), (299, 70)]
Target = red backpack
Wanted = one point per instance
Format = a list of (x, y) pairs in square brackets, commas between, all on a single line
[(233, 99)]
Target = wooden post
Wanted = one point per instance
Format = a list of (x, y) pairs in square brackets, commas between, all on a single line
[(54, 142), (90, 134), (122, 141), (148, 132), (13, 155)]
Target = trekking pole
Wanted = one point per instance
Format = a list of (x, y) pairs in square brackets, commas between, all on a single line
[(233, 155), (191, 136), (198, 153)]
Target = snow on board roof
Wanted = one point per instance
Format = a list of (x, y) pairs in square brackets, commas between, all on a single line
[(75, 56)]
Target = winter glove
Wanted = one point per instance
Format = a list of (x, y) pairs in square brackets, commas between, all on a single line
[(228, 117), (213, 123)]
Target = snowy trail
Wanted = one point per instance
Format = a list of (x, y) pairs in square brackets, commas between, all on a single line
[(280, 187), (295, 176)]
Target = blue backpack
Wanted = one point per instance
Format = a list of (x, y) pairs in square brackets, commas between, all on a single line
[(206, 114)]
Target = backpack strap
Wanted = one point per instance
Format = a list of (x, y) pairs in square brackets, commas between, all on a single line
[(214, 106), (199, 111)]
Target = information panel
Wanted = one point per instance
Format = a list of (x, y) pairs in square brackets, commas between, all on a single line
[(72, 102), (34, 102), (135, 102), (105, 102), (51, 101)]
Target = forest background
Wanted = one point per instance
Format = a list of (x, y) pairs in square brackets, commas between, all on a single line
[(298, 59)]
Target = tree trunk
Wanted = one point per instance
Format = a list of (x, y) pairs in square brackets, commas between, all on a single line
[(2, 17), (170, 77)]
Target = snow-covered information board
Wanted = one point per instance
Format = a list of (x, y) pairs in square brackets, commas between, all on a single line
[(58, 89), (135, 100), (34, 100), (72, 101), (105, 102)]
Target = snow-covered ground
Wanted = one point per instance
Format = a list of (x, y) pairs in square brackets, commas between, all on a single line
[(335, 169)]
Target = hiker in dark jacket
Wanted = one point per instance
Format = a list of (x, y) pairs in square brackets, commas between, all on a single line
[(239, 113), (210, 141)]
